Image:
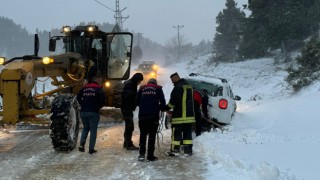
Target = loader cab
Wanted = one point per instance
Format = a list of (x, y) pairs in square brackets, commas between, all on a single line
[(110, 52)]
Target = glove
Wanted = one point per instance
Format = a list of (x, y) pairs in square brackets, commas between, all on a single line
[(166, 108)]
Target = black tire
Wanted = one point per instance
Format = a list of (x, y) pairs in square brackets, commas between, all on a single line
[(64, 127)]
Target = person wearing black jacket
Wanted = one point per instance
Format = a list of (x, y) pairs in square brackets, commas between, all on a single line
[(91, 98), (150, 99), (128, 105)]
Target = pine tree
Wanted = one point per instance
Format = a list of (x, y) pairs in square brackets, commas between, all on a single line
[(279, 24), (227, 37), (308, 66), (15, 40), (253, 44)]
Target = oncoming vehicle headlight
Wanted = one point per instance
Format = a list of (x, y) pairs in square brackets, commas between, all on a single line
[(107, 84), (47, 60), (2, 60), (152, 74), (154, 67)]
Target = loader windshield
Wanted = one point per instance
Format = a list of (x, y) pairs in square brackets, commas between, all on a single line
[(120, 56), (110, 52)]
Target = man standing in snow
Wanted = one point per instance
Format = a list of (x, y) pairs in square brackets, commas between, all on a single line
[(91, 98), (150, 100), (181, 101), (128, 105)]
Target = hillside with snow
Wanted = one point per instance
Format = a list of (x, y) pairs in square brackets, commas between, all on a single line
[(274, 134)]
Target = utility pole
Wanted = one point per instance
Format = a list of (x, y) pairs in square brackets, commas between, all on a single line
[(179, 40), (118, 16)]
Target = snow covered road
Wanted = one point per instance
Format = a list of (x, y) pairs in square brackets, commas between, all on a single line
[(29, 155)]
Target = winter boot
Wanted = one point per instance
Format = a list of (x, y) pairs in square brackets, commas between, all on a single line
[(152, 158), (175, 152), (81, 147), (188, 150), (132, 147), (141, 157), (91, 151)]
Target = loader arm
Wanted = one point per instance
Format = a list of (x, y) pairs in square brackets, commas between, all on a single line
[(17, 80)]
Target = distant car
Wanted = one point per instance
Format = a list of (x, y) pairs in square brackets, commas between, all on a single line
[(222, 102), (149, 69)]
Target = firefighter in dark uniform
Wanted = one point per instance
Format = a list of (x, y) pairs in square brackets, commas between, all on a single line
[(150, 99), (181, 101)]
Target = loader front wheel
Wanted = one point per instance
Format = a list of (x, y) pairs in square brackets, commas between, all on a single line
[(64, 128), (117, 89)]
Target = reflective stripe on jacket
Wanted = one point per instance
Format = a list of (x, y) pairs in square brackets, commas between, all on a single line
[(181, 101)]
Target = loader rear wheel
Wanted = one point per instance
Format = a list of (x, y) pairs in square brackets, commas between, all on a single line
[(64, 127)]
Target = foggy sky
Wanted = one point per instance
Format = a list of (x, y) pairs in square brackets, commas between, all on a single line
[(153, 18)]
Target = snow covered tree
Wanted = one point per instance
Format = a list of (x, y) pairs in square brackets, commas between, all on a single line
[(227, 37), (308, 69)]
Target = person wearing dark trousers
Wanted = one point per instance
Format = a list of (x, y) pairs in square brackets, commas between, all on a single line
[(128, 105), (197, 110), (200, 108), (151, 101), (91, 98), (181, 101)]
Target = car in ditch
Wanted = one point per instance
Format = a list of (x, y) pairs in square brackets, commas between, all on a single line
[(222, 102)]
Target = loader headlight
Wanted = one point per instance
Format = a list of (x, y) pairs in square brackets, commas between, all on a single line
[(2, 60), (107, 84), (47, 60), (91, 28), (66, 29)]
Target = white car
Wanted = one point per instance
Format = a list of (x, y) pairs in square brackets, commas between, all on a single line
[(222, 102)]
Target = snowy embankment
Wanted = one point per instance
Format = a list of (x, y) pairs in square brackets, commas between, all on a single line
[(273, 135)]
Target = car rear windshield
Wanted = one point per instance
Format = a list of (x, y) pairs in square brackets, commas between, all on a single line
[(213, 89), (145, 67)]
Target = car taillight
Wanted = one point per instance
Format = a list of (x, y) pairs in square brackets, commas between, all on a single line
[(223, 104)]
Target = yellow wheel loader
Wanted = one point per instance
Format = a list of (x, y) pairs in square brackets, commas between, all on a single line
[(87, 52)]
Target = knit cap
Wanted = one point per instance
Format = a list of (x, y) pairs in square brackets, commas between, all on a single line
[(152, 81)]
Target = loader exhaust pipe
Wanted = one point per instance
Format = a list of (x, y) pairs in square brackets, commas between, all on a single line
[(36, 45)]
